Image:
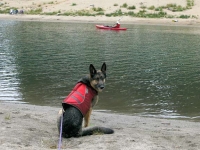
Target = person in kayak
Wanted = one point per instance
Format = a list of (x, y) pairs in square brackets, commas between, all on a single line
[(117, 25)]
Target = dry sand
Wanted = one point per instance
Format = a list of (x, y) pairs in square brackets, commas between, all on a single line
[(108, 6), (30, 127)]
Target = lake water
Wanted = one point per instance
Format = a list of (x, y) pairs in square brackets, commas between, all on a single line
[(151, 70)]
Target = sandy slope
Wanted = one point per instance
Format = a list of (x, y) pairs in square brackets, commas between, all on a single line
[(107, 5), (29, 127)]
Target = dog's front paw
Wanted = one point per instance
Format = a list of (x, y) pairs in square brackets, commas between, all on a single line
[(86, 125)]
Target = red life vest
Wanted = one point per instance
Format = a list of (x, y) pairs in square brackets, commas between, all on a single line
[(81, 97), (117, 25)]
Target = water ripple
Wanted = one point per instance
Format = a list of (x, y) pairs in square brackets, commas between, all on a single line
[(151, 70)]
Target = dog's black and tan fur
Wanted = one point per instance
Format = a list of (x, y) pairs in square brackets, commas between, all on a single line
[(73, 118)]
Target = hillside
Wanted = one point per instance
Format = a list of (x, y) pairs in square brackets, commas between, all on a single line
[(133, 8)]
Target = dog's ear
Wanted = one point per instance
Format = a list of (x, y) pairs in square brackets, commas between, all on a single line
[(103, 68), (92, 71)]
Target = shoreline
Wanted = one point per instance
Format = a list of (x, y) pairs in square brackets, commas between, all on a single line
[(102, 20), (26, 126)]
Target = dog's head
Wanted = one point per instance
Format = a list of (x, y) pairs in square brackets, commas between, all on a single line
[(97, 77)]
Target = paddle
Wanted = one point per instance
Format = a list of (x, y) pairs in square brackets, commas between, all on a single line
[(119, 19), (115, 23)]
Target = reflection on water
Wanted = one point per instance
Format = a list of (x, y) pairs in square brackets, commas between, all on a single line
[(9, 90), (152, 70)]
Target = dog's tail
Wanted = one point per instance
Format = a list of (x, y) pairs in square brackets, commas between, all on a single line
[(96, 130)]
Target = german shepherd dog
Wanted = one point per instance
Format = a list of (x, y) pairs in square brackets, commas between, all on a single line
[(73, 114)]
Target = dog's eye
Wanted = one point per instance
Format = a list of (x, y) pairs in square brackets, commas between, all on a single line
[(97, 79), (102, 77)]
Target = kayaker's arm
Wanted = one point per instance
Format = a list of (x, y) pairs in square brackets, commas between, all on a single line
[(117, 25)]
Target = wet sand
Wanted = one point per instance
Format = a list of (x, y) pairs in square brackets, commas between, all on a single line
[(31, 127), (101, 20)]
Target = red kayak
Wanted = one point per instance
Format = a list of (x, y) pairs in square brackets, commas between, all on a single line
[(109, 27)]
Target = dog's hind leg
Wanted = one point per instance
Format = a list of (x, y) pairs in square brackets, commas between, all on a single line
[(72, 122)]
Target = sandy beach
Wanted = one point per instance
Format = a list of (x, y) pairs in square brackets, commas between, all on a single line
[(107, 6), (30, 127), (101, 20)]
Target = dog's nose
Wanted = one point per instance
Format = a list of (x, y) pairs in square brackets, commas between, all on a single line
[(101, 87)]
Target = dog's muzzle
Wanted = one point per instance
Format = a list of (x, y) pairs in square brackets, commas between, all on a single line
[(102, 87)]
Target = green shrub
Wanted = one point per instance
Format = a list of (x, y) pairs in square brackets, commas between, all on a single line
[(5, 11), (67, 14), (159, 9), (131, 13), (97, 9), (124, 5), (51, 13), (116, 13), (180, 8), (8, 117), (51, 2), (194, 17), (1, 4), (163, 7), (143, 7), (141, 13), (171, 5), (100, 13), (190, 3), (108, 15), (132, 7), (184, 16), (151, 8), (83, 13), (162, 14), (35, 12), (169, 16)]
